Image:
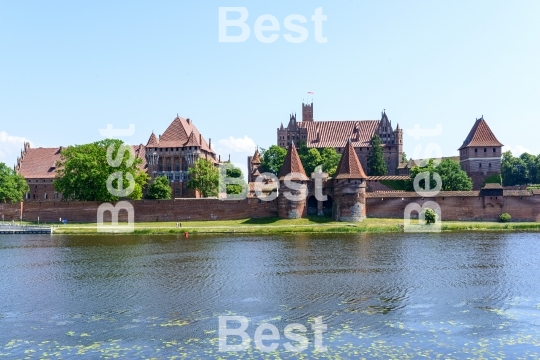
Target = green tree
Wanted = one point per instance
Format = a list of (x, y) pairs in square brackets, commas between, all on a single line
[(377, 165), (431, 216), (330, 160), (84, 170), (204, 177), (310, 158), (159, 189), (12, 185), (272, 159), (531, 167), (515, 170), (453, 178), (404, 157), (230, 171)]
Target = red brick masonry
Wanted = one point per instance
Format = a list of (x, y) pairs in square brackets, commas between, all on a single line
[(521, 205)]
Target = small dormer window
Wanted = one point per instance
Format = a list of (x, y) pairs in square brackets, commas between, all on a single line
[(494, 150), (485, 150), (475, 150)]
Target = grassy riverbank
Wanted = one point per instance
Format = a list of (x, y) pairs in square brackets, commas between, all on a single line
[(307, 225)]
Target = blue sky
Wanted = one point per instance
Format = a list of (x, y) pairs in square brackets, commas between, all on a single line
[(69, 68)]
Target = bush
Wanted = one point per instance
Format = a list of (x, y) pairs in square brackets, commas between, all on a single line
[(533, 187), (430, 216), (505, 217)]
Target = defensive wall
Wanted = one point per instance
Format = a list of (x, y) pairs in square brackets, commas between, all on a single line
[(522, 205)]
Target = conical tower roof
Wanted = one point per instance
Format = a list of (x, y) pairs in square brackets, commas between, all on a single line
[(292, 164), (256, 159), (152, 141), (480, 135), (349, 166)]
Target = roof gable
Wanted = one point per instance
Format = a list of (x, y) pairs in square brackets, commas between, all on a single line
[(178, 133), (480, 135)]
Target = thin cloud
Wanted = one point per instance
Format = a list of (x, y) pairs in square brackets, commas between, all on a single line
[(237, 145), (10, 147), (517, 150)]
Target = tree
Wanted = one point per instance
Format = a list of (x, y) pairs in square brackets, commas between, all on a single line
[(431, 216), (272, 159), (310, 158), (84, 171), (453, 178), (515, 171), (231, 172), (404, 157), (377, 165), (159, 189), (204, 177), (330, 160), (12, 185)]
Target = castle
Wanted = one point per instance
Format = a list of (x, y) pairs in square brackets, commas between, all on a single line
[(333, 134), (174, 152), (170, 154)]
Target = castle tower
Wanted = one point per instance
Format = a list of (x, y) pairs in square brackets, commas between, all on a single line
[(481, 153), (292, 202), (349, 188), (307, 112), (254, 162)]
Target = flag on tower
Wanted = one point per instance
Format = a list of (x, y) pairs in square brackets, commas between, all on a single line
[(310, 92)]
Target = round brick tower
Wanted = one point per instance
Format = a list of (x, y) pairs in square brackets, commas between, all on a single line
[(349, 188), (292, 198)]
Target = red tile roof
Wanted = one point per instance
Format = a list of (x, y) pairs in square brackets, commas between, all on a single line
[(256, 159), (178, 133), (480, 135), (39, 163), (152, 141), (349, 166), (331, 133), (388, 177), (292, 164), (192, 140)]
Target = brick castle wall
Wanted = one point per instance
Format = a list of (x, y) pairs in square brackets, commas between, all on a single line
[(456, 208), (154, 210), (10, 211)]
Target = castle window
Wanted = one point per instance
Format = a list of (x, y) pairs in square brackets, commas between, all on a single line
[(485, 150), (494, 150), (177, 191), (479, 165), (56, 195), (168, 167), (489, 164), (45, 196)]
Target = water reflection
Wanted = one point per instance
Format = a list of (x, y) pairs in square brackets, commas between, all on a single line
[(396, 295)]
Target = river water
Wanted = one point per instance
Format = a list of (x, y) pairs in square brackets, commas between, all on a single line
[(456, 295)]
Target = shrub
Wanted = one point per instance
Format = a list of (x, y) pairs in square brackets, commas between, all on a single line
[(430, 216), (505, 217)]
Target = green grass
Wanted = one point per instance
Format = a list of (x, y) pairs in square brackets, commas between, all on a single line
[(311, 224)]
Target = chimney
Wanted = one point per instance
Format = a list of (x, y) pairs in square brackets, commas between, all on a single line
[(219, 158), (188, 121), (210, 143)]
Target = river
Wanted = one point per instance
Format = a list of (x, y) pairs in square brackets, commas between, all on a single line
[(456, 295)]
